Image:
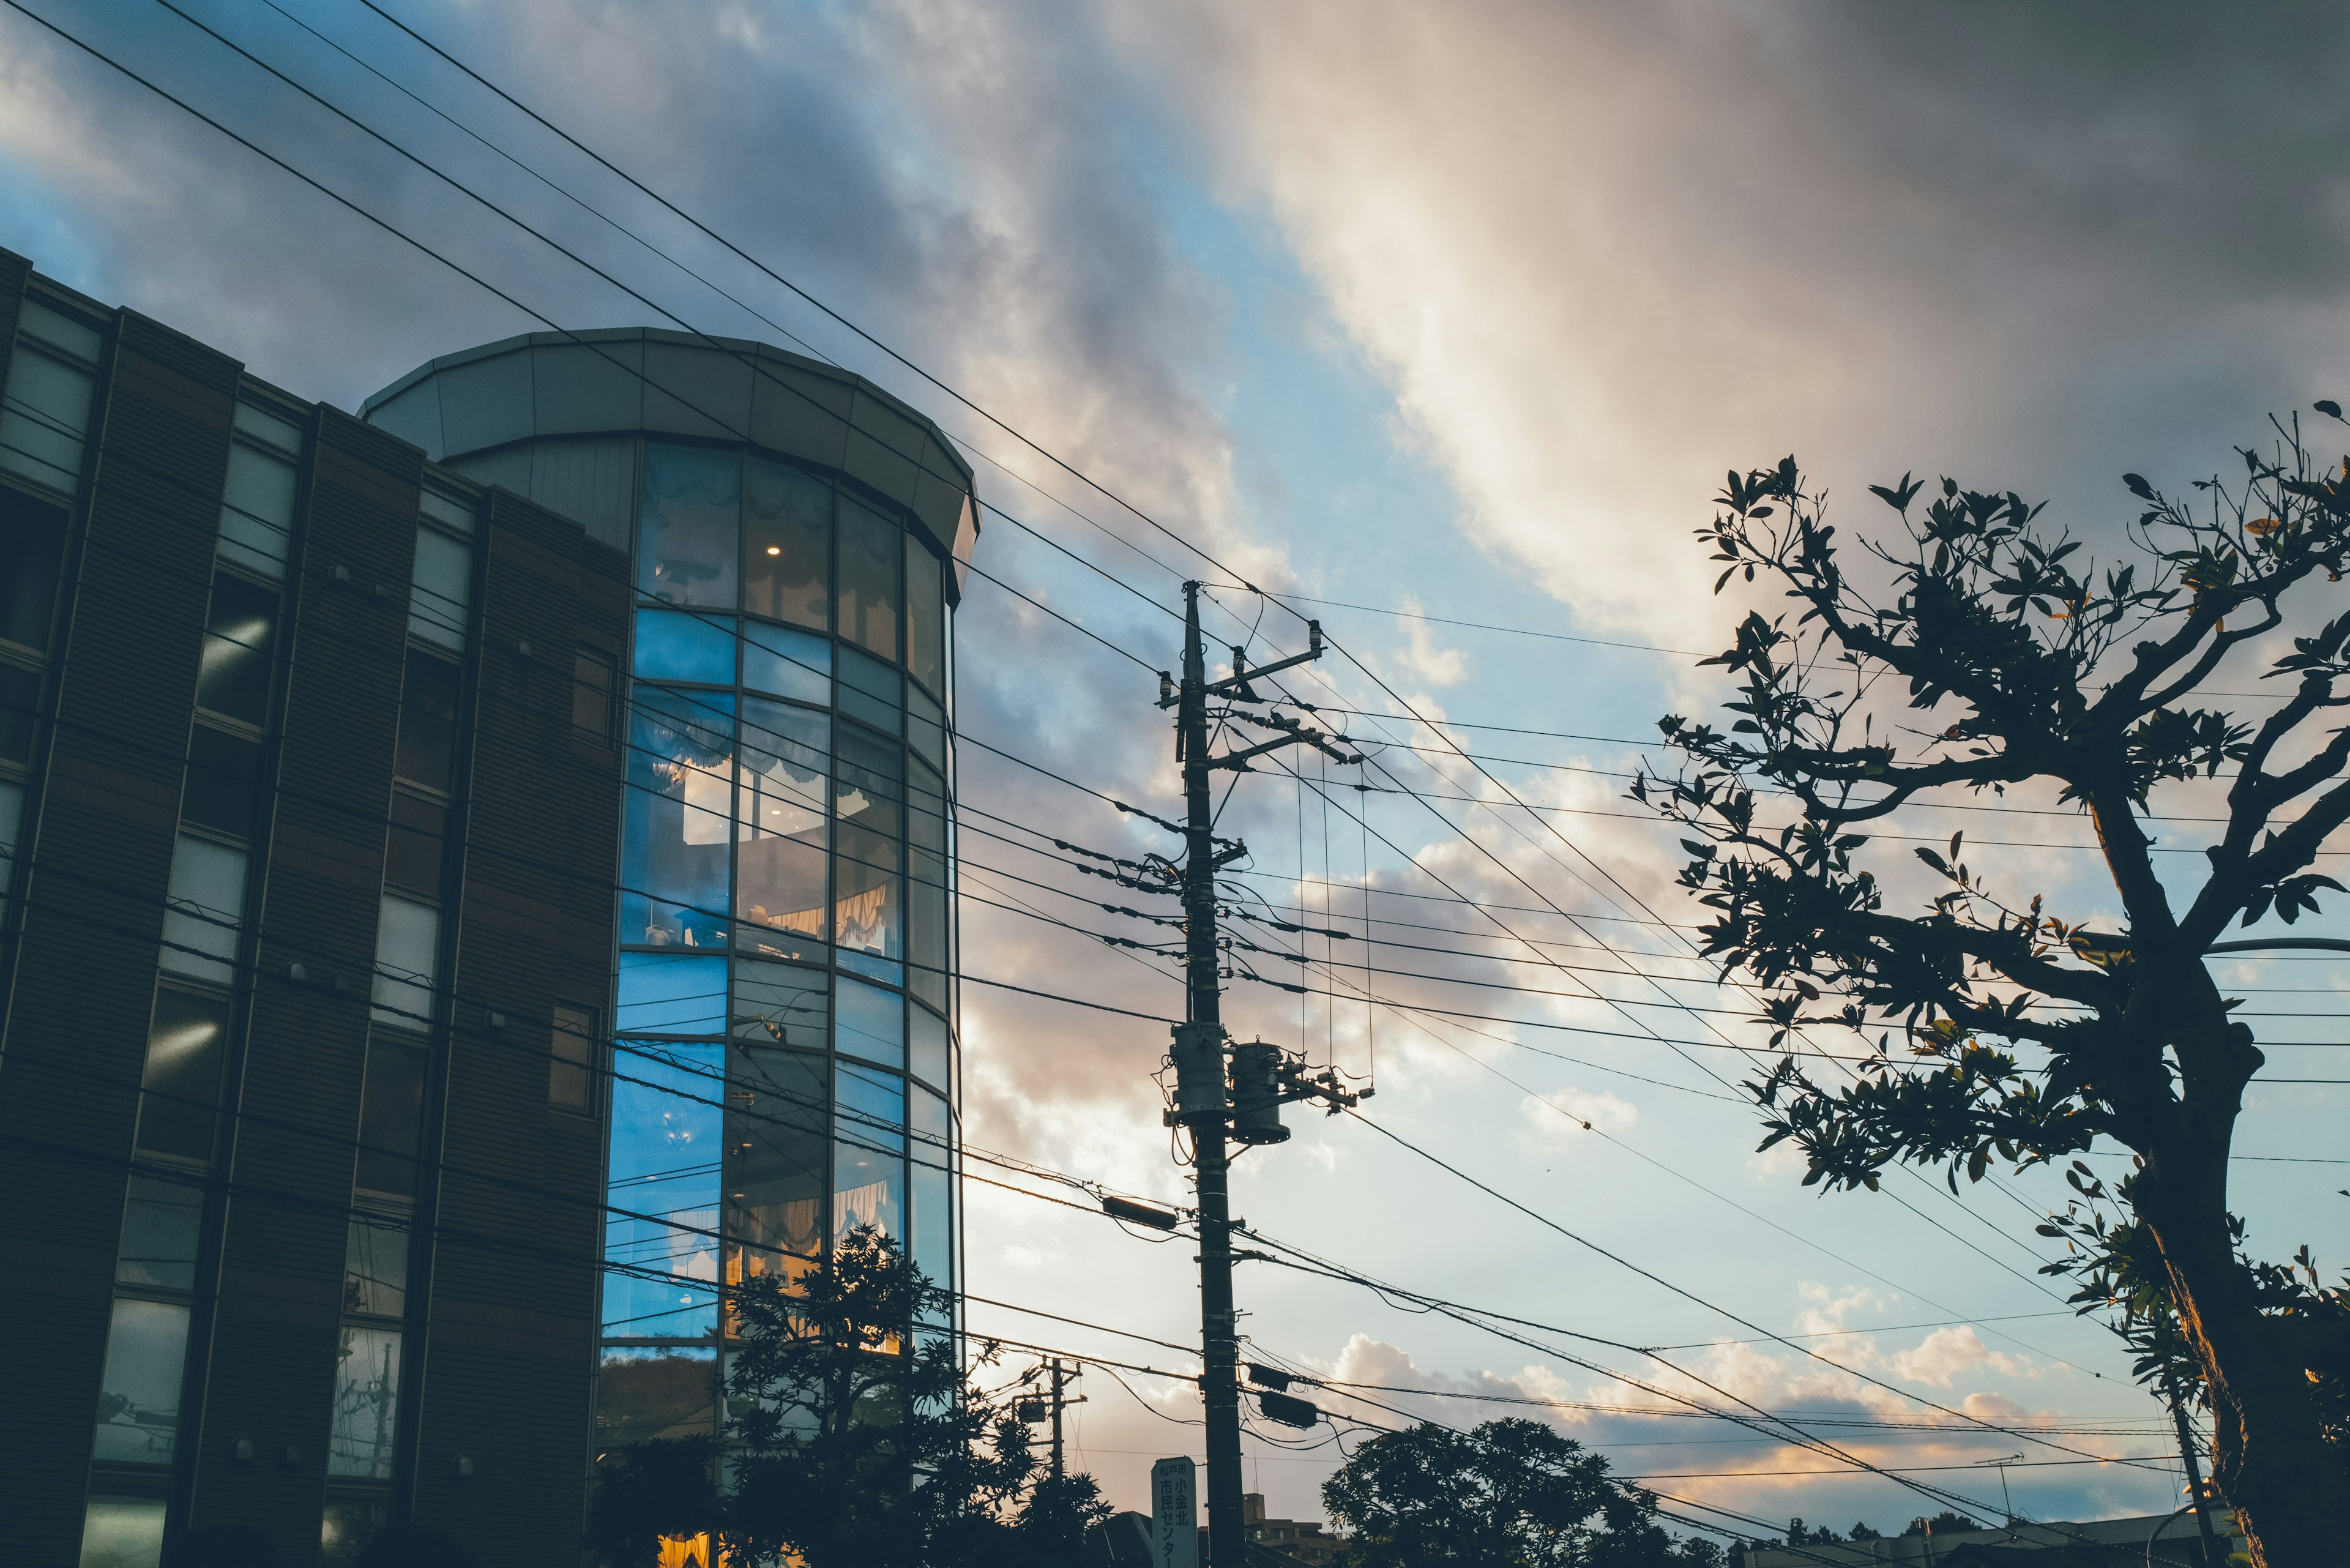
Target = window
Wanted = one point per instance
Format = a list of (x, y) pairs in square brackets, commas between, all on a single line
[(20, 701), (926, 636), (776, 1150), (32, 554), (868, 1170), (223, 781), (872, 1023), (45, 411), (927, 1045), (139, 1396), (871, 690), (677, 645), (375, 1266), (440, 588), (787, 545), (391, 1116), (571, 1061), (232, 677), (366, 1399), (595, 694), (687, 545), (671, 993), (869, 554), (412, 851), (779, 822), (427, 748), (679, 819), (203, 908), (926, 887), (781, 1004), (926, 727), (181, 1085), (12, 825), (664, 1173), (160, 1225), (789, 663), (932, 1244), (256, 516), (407, 962), (122, 1532), (866, 910)]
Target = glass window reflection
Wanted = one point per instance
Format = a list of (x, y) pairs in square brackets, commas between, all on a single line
[(678, 818), (160, 1224), (139, 1396), (686, 546), (866, 902), (789, 663), (868, 1182), (926, 633), (870, 553), (776, 1148), (872, 1023), (780, 819), (787, 545), (671, 993), (664, 1191), (367, 1397), (781, 1004), (678, 645)]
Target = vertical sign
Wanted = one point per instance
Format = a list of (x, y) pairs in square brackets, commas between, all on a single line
[(1174, 1514)]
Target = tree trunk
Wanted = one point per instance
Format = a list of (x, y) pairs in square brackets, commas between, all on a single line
[(2270, 1457)]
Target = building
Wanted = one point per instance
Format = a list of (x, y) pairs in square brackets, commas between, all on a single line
[(321, 764), (798, 539), (1288, 1540), (2170, 1539)]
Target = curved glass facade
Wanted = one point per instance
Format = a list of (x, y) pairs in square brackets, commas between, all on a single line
[(785, 1066)]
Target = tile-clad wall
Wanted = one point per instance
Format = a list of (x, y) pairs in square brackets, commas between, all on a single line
[(100, 856), (513, 1332), (275, 1342)]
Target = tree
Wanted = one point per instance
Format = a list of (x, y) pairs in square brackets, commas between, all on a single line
[(1512, 1494), (2018, 664), (858, 1441)]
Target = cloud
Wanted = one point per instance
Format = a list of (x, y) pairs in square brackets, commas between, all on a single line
[(1945, 1353), (1421, 659)]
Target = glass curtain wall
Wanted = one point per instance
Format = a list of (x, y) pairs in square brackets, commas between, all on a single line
[(786, 1059)]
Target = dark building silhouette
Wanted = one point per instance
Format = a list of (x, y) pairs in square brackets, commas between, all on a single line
[(321, 770)]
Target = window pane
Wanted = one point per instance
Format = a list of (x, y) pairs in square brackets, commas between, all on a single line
[(411, 852), (44, 417), (138, 1401), (122, 1532), (787, 663), (643, 1394), (777, 1149), (677, 645), (686, 547), (664, 1172), (671, 993), (32, 546), (366, 1396), (256, 515), (595, 692), (204, 906), (571, 1061), (679, 819), (787, 545), (780, 819), (865, 911), (926, 1043), (933, 1226), (427, 749), (440, 590), (869, 1182), (181, 1080), (12, 824), (375, 1268), (20, 700), (266, 429), (870, 553), (926, 727), (233, 676), (781, 1004), (872, 1023), (223, 778), (407, 962), (926, 888), (925, 636), (452, 512), (392, 1117), (869, 691), (160, 1225)]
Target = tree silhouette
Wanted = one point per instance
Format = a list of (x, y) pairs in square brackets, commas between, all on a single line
[(1974, 651)]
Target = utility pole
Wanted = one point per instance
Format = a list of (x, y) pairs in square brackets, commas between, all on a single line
[(1032, 1411), (2212, 1555), (1204, 1100)]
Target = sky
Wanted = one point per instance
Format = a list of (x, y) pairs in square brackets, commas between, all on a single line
[(1418, 315)]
